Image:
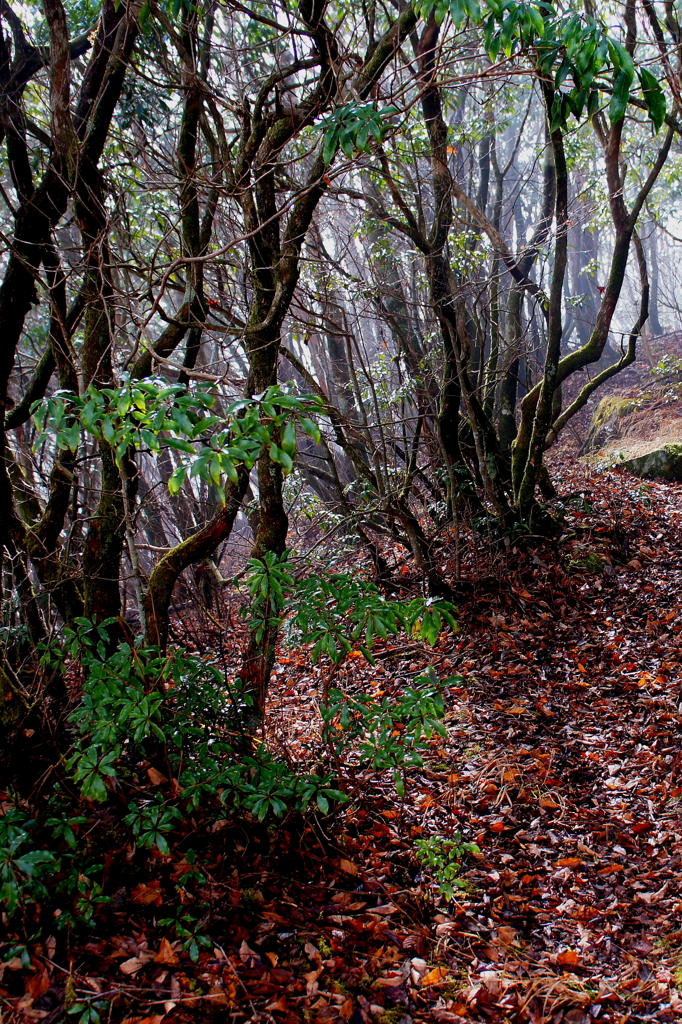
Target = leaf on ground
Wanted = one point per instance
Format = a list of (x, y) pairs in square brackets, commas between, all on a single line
[(131, 966), (146, 893), (166, 954), (435, 977)]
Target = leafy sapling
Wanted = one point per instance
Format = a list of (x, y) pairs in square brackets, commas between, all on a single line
[(441, 858)]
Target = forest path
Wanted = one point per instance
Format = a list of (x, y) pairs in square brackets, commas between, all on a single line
[(576, 789), (563, 764)]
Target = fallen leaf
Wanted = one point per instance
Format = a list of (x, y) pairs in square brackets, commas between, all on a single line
[(147, 893), (131, 966), (166, 954), (436, 976), (156, 777), (38, 983), (248, 956), (217, 996), (280, 1004)]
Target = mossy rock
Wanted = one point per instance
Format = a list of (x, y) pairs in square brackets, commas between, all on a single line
[(665, 462), (606, 419)]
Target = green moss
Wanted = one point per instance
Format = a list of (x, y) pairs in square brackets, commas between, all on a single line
[(665, 462), (392, 1016), (590, 562), (608, 412), (613, 408), (456, 982), (252, 898)]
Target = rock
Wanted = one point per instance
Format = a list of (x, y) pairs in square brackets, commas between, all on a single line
[(606, 420), (665, 462)]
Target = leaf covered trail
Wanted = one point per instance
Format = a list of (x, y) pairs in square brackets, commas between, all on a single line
[(562, 762)]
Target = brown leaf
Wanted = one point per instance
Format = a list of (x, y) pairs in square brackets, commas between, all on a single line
[(155, 777), (144, 894), (38, 983), (569, 862), (166, 954), (348, 866), (280, 1004), (346, 1010), (435, 977), (131, 966), (569, 957), (217, 996), (248, 956)]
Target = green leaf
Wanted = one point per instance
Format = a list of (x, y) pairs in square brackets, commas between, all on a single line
[(30, 862), (311, 428), (621, 94), (108, 429), (143, 16), (179, 444), (622, 61), (654, 97), (289, 439), (177, 479), (507, 33), (282, 458), (473, 10), (537, 20), (94, 788)]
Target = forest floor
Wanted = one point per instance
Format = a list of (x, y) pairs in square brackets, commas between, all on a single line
[(562, 762)]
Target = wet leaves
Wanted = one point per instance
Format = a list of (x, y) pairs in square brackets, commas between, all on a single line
[(562, 761)]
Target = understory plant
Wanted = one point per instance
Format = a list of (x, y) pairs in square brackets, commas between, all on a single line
[(157, 744), (441, 858)]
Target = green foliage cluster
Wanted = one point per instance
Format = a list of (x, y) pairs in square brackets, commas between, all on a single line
[(387, 734), (441, 858), (350, 126), (150, 414), (176, 711), (340, 612), (564, 47), (269, 583), (176, 717)]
